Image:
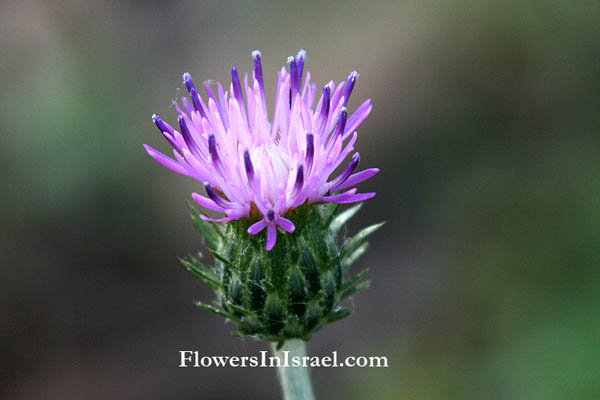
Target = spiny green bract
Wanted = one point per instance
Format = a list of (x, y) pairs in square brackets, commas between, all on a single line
[(292, 290)]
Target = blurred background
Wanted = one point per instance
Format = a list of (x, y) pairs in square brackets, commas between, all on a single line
[(486, 126)]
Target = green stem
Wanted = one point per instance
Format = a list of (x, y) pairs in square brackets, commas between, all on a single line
[(295, 381)]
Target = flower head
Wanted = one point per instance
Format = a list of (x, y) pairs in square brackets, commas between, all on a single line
[(251, 165)]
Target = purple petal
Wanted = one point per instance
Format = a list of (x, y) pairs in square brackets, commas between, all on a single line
[(257, 227), (187, 80), (271, 236), (248, 166), (350, 85), (166, 130), (357, 198), (258, 73), (341, 125), (336, 198), (214, 154), (186, 104), (356, 179), (237, 87), (310, 150), (325, 105), (299, 181), (187, 136), (224, 219), (300, 61), (301, 197), (162, 125), (211, 94), (214, 196), (294, 84), (347, 171), (358, 117), (197, 101), (286, 224), (207, 203), (172, 141), (166, 161)]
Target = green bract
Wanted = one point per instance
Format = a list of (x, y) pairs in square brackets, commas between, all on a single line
[(292, 290)]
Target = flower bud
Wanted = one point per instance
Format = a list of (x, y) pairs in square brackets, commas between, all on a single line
[(290, 291)]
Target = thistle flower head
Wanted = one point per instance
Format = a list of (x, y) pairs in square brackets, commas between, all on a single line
[(252, 165)]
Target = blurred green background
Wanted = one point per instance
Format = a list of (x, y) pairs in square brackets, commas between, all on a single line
[(486, 125)]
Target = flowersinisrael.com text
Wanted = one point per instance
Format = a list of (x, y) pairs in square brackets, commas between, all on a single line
[(190, 358)]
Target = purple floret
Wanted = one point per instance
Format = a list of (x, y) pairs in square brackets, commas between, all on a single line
[(249, 163)]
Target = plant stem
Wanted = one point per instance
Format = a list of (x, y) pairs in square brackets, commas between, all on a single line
[(295, 381)]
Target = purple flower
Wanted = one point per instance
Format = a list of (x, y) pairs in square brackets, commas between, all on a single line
[(250, 164)]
